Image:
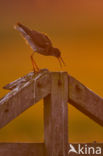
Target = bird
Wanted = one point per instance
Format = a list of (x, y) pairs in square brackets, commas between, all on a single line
[(40, 43)]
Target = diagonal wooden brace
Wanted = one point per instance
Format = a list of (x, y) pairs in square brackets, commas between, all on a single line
[(85, 100), (24, 95)]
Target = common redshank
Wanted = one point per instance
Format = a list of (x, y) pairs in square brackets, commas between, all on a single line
[(40, 43)]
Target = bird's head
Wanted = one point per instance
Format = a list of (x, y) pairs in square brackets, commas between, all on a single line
[(56, 52)]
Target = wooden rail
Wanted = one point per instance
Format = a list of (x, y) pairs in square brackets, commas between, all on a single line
[(57, 89), (37, 149)]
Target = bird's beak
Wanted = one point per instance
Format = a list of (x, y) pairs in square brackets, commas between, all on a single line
[(61, 61)]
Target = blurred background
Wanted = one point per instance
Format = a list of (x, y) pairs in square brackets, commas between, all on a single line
[(76, 28)]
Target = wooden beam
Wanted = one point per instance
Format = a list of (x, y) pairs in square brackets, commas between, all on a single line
[(85, 100), (23, 96), (56, 116), (21, 149), (37, 149), (22, 80)]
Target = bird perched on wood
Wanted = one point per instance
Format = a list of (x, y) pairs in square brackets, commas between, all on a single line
[(40, 43)]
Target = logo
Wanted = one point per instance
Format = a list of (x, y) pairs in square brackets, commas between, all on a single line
[(85, 149)]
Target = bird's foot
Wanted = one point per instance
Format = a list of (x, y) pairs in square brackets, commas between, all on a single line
[(36, 71)]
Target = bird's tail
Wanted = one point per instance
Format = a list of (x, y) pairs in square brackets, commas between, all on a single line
[(20, 27)]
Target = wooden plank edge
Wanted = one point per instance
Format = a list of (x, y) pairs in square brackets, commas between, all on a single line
[(20, 81)]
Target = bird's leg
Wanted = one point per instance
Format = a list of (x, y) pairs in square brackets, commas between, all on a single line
[(61, 61), (33, 64), (35, 67)]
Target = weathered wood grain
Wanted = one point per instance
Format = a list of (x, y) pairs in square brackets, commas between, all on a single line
[(37, 149), (56, 116), (24, 96), (21, 149), (85, 100), (23, 80)]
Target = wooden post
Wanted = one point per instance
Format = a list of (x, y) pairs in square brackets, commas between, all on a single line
[(56, 116)]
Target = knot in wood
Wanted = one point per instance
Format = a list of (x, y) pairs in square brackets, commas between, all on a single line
[(6, 110), (59, 82), (78, 88), (39, 84)]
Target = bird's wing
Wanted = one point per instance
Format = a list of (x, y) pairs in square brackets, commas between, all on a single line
[(34, 38), (47, 39), (40, 39)]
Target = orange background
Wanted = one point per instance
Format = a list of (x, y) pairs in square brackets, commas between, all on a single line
[(76, 28)]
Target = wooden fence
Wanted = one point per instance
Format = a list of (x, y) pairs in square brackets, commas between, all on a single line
[(57, 89)]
